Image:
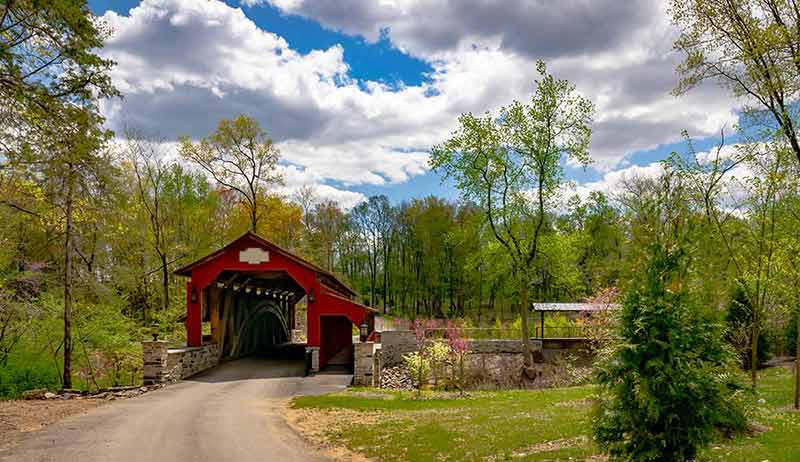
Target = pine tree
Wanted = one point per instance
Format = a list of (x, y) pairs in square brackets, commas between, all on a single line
[(667, 384)]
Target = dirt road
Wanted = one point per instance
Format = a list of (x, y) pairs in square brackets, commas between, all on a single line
[(231, 413)]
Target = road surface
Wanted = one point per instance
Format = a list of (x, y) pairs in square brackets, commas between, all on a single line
[(230, 413)]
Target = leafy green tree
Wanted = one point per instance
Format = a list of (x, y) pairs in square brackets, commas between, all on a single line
[(48, 56), (601, 249), (752, 47), (788, 286), (510, 164), (238, 155), (150, 171), (374, 220), (750, 243), (50, 78), (667, 384)]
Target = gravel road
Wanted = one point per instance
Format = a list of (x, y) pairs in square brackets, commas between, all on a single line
[(230, 413)]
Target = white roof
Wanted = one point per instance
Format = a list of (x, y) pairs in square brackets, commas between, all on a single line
[(574, 306)]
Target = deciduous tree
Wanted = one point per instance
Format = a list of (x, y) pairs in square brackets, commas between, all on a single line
[(510, 164), (239, 155)]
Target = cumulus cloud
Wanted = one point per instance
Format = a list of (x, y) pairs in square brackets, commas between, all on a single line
[(618, 53), (184, 64), (733, 190), (296, 178), (436, 27), (612, 182)]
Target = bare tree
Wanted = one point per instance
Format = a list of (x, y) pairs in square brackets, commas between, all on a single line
[(147, 159), (238, 155)]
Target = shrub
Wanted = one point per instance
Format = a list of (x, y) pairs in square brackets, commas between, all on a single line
[(670, 382), (438, 353), (27, 371), (458, 347), (419, 367), (739, 320)]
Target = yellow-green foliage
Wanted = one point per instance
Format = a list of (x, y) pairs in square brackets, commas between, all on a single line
[(419, 366)]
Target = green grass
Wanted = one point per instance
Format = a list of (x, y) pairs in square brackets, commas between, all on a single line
[(541, 425)]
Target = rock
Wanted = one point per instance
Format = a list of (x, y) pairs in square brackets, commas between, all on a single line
[(131, 393), (396, 378), (143, 389), (49, 395), (37, 393), (72, 391)]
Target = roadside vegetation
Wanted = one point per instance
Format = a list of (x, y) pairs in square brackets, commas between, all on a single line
[(533, 425), (704, 255)]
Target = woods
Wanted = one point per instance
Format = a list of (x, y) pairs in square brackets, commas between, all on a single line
[(702, 246), (145, 214)]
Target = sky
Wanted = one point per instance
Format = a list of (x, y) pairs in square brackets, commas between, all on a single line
[(355, 92)]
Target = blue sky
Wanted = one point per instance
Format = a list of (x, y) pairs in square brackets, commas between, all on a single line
[(356, 94)]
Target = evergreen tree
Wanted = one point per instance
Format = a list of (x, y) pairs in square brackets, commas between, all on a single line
[(666, 385)]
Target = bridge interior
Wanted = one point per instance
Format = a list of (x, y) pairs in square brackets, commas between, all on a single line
[(251, 313)]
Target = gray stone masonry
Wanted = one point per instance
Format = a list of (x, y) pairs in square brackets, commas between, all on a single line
[(394, 344), (314, 358), (163, 365), (488, 364), (364, 363), (154, 356), (376, 366)]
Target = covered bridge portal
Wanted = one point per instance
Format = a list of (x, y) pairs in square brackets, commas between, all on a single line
[(247, 292)]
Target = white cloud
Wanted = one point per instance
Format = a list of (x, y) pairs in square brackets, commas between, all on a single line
[(296, 178), (612, 182), (618, 53), (184, 64), (733, 192)]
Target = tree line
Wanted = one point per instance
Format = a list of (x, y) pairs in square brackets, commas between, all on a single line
[(92, 223)]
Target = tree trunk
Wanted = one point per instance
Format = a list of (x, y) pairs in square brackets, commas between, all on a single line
[(165, 280), (67, 381), (797, 365), (385, 276), (754, 350), (523, 314)]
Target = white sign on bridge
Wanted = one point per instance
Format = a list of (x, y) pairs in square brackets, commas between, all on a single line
[(254, 256)]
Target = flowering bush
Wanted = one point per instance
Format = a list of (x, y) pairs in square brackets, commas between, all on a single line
[(419, 367), (458, 346), (438, 354)]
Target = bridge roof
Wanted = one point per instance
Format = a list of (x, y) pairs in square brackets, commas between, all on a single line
[(327, 278), (574, 307)]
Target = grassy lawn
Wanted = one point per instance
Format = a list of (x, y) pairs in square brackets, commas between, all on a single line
[(541, 425)]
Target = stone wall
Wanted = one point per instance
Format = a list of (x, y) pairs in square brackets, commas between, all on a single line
[(394, 344), (154, 356), (163, 365), (314, 358), (365, 365), (489, 363)]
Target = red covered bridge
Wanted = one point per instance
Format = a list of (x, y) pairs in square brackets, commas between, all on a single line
[(247, 293)]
